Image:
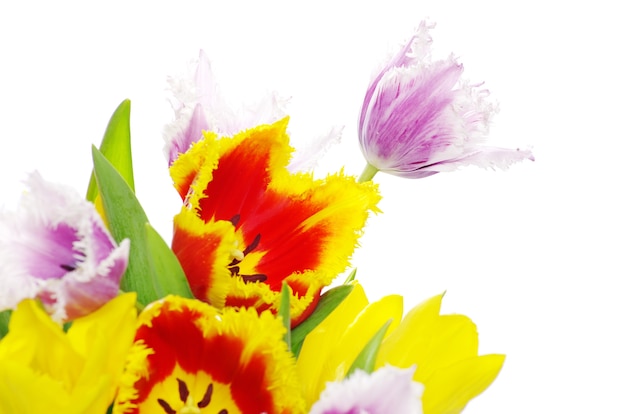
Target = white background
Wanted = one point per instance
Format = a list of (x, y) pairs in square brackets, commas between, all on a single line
[(535, 255)]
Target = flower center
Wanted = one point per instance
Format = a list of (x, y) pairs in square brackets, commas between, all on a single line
[(235, 266), (190, 406)]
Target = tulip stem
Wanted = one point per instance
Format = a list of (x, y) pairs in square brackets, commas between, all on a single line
[(368, 173)]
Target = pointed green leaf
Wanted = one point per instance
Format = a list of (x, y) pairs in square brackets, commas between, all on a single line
[(350, 277), (170, 276), (115, 147), (328, 302), (5, 316), (367, 357), (126, 219), (284, 312)]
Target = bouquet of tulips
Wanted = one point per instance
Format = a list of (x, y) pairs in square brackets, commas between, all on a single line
[(242, 312)]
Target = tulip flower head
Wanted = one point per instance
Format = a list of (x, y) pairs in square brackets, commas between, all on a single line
[(190, 358), (419, 117), (247, 224), (57, 249)]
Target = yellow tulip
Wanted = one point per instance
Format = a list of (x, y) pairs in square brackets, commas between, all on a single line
[(443, 347), (44, 369)]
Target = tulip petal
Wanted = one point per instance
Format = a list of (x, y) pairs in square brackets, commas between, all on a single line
[(429, 340), (387, 390), (451, 388)]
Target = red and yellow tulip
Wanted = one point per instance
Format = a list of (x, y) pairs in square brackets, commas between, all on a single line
[(248, 224)]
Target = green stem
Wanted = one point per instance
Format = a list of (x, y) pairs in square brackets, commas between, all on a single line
[(368, 173)]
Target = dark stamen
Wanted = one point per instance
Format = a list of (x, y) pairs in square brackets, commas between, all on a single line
[(183, 391), (235, 219), (207, 397), (68, 268), (166, 406), (223, 411), (258, 277), (234, 269), (253, 245)]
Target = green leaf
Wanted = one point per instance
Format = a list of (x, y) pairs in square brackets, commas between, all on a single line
[(284, 312), (170, 277), (328, 302), (127, 219), (115, 147), (350, 277), (5, 316), (367, 357)]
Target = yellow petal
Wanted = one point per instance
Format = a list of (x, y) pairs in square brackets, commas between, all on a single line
[(29, 328), (42, 369), (429, 340), (445, 350), (450, 389), (103, 338), (18, 386)]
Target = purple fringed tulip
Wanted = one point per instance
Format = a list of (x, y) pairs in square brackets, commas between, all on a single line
[(55, 247), (386, 390), (199, 106), (420, 118)]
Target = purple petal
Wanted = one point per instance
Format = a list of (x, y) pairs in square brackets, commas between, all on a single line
[(409, 117), (386, 390), (485, 157), (416, 49), (188, 132)]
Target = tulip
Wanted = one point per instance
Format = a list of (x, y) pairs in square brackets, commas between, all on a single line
[(419, 117)]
